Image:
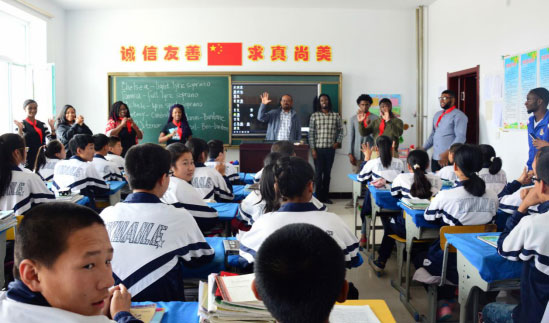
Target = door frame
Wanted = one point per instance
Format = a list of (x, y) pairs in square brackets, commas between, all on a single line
[(467, 72)]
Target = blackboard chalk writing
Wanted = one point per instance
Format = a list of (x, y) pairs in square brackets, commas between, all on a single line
[(197, 84), (187, 95), (193, 118), (131, 96), (159, 115), (213, 116)]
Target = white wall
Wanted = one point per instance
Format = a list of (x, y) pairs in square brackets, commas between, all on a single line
[(375, 51), (466, 33)]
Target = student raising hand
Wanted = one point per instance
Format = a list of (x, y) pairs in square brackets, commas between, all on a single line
[(367, 151)]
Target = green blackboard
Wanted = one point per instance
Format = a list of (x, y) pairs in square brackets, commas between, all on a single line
[(205, 98)]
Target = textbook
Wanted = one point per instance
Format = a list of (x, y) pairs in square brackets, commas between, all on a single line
[(353, 313), (144, 313), (491, 240), (7, 220), (416, 204)]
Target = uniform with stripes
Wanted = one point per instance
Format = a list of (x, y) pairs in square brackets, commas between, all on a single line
[(211, 184), (447, 173), (106, 169), (402, 184), (151, 240), (25, 190), (46, 171), (117, 160), (509, 203), (494, 182), (230, 171), (79, 176), (374, 170)]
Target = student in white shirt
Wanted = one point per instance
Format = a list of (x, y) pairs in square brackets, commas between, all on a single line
[(284, 147), (294, 184), (47, 158), (115, 152), (152, 238), (210, 183), (467, 203), (77, 173), (491, 172), (63, 270), (512, 195), (19, 190), (108, 170), (182, 194), (216, 155), (447, 173)]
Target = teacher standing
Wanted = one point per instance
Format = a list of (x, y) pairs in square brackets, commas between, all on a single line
[(120, 124), (177, 128), (388, 125), (449, 127), (283, 122)]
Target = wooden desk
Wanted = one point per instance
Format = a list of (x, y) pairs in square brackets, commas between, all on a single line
[(378, 306), (252, 155)]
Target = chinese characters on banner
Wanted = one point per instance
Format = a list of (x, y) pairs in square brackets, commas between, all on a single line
[(228, 54)]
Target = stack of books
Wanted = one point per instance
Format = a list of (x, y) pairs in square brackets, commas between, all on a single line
[(7, 220), (416, 204), (229, 298), (148, 313)]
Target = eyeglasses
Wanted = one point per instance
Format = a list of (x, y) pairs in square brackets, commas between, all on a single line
[(536, 179), (170, 173), (444, 98)]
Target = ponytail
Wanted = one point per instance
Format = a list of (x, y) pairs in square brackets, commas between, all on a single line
[(385, 148), (418, 160), (293, 174), (489, 159), (466, 159), (40, 159), (9, 142), (267, 181)]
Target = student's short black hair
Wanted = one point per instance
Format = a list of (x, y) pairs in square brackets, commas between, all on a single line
[(197, 147), (292, 176), (450, 93), (113, 140), (43, 233), (455, 147), (80, 141), (364, 97), (215, 147), (100, 141), (542, 165), (299, 273), (284, 147), (145, 164), (176, 150)]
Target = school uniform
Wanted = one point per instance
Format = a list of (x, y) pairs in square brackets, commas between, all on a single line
[(374, 170), (257, 176), (117, 160), (402, 185), (80, 176), (495, 182), (46, 171), (106, 169), (453, 207), (181, 194), (510, 203), (211, 184), (20, 304), (447, 173), (526, 238), (230, 171), (151, 239), (25, 191), (300, 213)]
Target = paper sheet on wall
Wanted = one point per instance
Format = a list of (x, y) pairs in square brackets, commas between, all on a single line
[(353, 313), (510, 116), (497, 113), (488, 110), (396, 100), (544, 68), (528, 81)]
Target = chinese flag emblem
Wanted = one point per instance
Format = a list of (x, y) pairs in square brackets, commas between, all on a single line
[(225, 54)]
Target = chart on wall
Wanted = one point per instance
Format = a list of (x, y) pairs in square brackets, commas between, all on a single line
[(522, 73), (395, 100)]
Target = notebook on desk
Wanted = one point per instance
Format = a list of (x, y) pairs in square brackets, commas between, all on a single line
[(491, 240), (416, 204)]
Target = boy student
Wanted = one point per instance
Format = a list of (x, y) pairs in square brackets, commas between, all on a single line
[(210, 183), (284, 147), (152, 238), (108, 170), (76, 173), (115, 150), (526, 238), (63, 272), (300, 274), (217, 156)]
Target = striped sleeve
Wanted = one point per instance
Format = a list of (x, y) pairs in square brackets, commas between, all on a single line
[(366, 171), (37, 193), (397, 187), (511, 240), (223, 190)]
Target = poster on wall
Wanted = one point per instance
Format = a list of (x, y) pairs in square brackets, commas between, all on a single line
[(510, 116), (544, 67), (395, 100), (528, 81)]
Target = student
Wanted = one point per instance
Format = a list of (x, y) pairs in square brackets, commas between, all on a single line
[(181, 193), (153, 238), (491, 172), (177, 128), (108, 170), (300, 274), (210, 183), (415, 184), (19, 190), (115, 150), (385, 166), (47, 158), (63, 272), (467, 203), (217, 156), (525, 238), (76, 173), (294, 184), (447, 173), (284, 147), (68, 125), (511, 196)]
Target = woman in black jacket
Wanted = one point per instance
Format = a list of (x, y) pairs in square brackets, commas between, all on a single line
[(68, 125)]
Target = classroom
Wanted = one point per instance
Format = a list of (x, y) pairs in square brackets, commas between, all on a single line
[(420, 121)]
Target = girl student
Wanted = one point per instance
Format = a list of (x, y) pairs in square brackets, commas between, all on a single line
[(19, 190), (182, 194), (47, 158), (491, 172), (467, 203), (447, 173), (177, 127), (414, 184), (294, 184)]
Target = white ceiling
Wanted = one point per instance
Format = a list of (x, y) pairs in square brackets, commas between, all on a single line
[(147, 4)]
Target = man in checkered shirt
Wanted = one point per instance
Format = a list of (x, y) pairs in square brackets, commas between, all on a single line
[(325, 136), (283, 122)]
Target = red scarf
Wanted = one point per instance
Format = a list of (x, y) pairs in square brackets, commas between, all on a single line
[(365, 122), (128, 124), (38, 130), (443, 113), (179, 130), (381, 127)]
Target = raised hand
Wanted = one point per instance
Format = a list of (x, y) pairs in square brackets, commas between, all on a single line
[(367, 151), (360, 116), (265, 98), (51, 123), (80, 120), (19, 125), (121, 300), (525, 177)]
